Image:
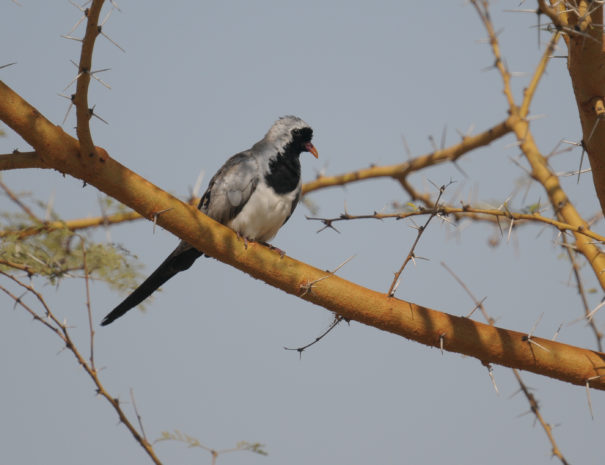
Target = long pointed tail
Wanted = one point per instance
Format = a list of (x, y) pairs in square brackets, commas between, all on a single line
[(179, 260)]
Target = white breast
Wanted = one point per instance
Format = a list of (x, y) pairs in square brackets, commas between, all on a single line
[(263, 214)]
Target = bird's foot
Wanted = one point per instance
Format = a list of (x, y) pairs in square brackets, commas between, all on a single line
[(282, 253), (243, 238)]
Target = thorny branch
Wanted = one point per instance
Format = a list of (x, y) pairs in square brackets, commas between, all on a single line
[(88, 307), (400, 171), (533, 403), (410, 256), (301, 349), (535, 409), (15, 198), (337, 318), (568, 222), (62, 331), (80, 100), (482, 9), (575, 267), (363, 305), (477, 213), (72, 225), (540, 171), (31, 159)]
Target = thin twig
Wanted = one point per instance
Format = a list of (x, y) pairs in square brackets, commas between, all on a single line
[(421, 229), (138, 415), (575, 267), (533, 403), (72, 225), (483, 11), (478, 303), (533, 85), (535, 408), (62, 331), (88, 308), (300, 350), (468, 211), (11, 195)]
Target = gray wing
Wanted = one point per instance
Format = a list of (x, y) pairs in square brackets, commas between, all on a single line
[(231, 187)]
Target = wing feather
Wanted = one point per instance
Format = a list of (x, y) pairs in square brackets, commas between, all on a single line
[(230, 188)]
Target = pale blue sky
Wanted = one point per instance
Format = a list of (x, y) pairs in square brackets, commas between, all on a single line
[(201, 81)]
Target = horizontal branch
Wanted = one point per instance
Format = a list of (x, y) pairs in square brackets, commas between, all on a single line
[(466, 210), (73, 225), (17, 266), (460, 212), (20, 160)]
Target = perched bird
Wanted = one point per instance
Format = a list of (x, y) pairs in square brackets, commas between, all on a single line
[(254, 193)]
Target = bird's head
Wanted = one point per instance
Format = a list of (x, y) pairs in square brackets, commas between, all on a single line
[(293, 133)]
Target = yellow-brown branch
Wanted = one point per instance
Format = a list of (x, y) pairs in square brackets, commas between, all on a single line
[(353, 302)]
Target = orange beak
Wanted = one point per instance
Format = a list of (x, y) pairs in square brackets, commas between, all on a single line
[(309, 147)]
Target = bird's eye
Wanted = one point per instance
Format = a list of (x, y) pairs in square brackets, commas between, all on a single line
[(302, 134)]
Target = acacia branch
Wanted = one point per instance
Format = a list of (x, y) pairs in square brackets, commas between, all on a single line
[(72, 225), (541, 68), (535, 408), (80, 100), (398, 172), (466, 211), (401, 170), (61, 330), (411, 253), (351, 301), (531, 399), (558, 18), (540, 171), (582, 293), (476, 213), (586, 64), (564, 209), (11, 195), (20, 160), (481, 6)]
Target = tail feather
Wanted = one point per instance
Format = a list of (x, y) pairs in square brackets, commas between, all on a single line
[(179, 260)]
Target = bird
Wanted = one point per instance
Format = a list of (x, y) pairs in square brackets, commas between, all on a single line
[(254, 193)]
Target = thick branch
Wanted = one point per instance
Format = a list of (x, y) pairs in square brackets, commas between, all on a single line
[(353, 302), (586, 64)]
